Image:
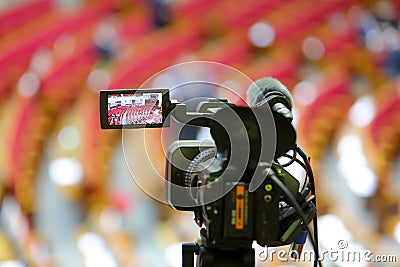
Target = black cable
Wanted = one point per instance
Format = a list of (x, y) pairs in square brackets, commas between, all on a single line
[(298, 162), (294, 160), (294, 203), (313, 191), (291, 157)]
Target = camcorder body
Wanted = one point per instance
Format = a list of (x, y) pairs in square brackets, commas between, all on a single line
[(234, 184), (240, 216)]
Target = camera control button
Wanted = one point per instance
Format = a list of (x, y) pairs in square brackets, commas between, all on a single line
[(268, 187), (267, 198)]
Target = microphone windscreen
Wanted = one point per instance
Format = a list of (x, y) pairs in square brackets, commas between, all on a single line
[(265, 86)]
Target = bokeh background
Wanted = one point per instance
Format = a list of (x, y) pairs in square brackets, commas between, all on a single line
[(67, 196)]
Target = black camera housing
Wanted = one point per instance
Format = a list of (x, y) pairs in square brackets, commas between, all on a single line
[(240, 215)]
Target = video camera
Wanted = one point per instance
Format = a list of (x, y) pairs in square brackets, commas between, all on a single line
[(235, 185)]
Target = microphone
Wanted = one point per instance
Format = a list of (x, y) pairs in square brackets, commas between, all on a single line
[(271, 92)]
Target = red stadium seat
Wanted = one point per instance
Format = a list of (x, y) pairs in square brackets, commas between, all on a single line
[(12, 19)]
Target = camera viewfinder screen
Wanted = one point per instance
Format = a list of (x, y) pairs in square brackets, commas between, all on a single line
[(135, 108)]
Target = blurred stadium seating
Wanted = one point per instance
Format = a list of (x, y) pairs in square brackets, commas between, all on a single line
[(67, 199)]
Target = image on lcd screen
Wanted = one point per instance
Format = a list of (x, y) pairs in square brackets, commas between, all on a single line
[(134, 109)]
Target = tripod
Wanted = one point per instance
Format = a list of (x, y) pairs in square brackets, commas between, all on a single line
[(217, 256)]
